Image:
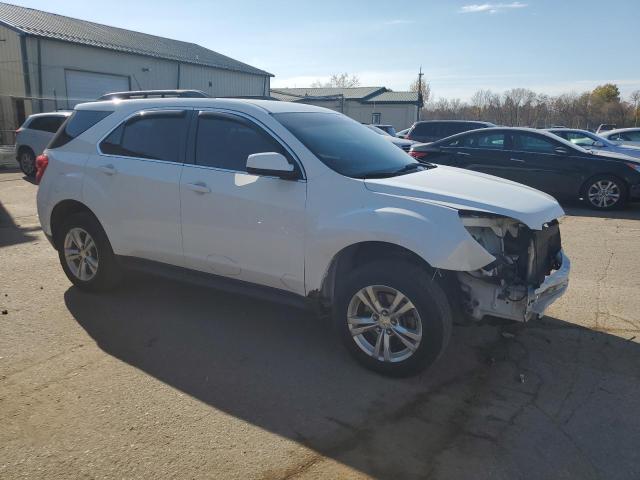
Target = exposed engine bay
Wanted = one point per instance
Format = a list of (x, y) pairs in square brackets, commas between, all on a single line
[(529, 271)]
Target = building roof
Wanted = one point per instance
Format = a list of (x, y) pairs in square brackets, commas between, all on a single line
[(58, 27), (352, 93), (394, 97), (363, 94)]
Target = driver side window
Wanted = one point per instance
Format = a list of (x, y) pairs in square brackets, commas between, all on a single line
[(225, 142)]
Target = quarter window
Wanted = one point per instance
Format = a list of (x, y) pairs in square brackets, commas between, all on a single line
[(79, 122), (226, 142), (152, 135)]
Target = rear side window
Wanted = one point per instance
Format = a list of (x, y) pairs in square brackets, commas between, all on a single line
[(79, 122), (492, 141), (631, 136), (150, 135), (47, 124), (226, 142), (425, 130), (533, 143)]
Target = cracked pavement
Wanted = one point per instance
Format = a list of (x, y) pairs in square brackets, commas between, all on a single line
[(161, 379)]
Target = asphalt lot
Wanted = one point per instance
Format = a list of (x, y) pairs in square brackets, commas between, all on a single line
[(160, 379)]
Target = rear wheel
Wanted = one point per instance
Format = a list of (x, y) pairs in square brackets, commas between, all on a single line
[(27, 162), (605, 192), (392, 317), (85, 253)]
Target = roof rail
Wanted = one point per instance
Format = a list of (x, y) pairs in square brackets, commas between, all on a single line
[(135, 94)]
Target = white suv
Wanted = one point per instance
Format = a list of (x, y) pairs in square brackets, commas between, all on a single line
[(301, 204), (34, 135)]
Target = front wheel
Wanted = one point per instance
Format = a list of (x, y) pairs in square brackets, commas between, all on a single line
[(605, 192), (392, 317)]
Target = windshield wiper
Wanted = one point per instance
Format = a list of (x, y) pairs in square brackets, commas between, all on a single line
[(410, 167)]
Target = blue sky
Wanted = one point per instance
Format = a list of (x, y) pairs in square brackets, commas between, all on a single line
[(551, 46)]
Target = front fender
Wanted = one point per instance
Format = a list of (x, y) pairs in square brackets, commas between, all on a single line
[(434, 233)]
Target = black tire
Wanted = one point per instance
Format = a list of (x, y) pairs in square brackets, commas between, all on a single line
[(591, 185), (426, 295), (27, 162), (108, 272)]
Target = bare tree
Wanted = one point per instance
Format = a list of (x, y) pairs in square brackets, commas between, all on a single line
[(424, 87), (635, 98), (341, 80), (523, 107)]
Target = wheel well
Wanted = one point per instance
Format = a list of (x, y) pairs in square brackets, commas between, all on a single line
[(62, 211), (359, 254), (22, 148)]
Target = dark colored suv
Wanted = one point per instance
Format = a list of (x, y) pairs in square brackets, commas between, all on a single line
[(432, 130)]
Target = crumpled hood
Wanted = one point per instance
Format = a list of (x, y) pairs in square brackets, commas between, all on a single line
[(468, 190)]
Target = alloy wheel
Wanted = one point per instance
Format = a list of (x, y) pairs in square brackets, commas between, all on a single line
[(604, 193), (28, 164), (384, 323), (81, 254)]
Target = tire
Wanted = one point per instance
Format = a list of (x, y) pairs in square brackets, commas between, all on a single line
[(93, 267), (429, 302), (27, 162), (605, 192)]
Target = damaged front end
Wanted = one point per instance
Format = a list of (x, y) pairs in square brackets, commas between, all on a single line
[(529, 273)]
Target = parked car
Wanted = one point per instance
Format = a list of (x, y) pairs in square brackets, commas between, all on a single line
[(301, 204), (432, 130), (543, 161), (624, 136), (398, 142), (34, 135), (386, 128), (604, 127), (403, 133), (591, 141)]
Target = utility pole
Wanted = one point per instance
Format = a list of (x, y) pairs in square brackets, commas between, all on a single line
[(420, 99)]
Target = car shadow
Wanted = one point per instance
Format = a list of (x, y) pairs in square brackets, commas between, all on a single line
[(283, 370), (11, 233), (630, 212)]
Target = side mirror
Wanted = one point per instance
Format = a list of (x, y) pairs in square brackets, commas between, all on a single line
[(598, 144), (560, 151), (270, 164)]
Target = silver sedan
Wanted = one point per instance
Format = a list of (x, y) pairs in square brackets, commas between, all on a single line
[(591, 141)]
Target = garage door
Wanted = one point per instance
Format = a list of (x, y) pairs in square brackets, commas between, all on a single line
[(83, 86)]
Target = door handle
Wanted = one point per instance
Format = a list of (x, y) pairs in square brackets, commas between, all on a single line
[(199, 187), (464, 154), (516, 160), (108, 169)]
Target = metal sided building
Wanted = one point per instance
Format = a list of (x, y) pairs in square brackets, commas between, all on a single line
[(377, 105), (52, 62)]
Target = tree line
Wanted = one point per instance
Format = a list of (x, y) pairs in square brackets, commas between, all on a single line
[(525, 108)]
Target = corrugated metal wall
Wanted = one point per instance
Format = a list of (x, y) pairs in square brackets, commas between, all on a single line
[(144, 73), (400, 115), (11, 82), (223, 83)]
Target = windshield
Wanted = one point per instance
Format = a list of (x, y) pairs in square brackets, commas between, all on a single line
[(346, 146)]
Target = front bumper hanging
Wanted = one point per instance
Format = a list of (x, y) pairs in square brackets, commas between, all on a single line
[(489, 299)]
